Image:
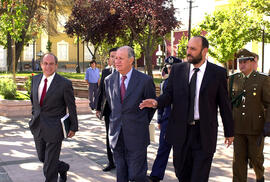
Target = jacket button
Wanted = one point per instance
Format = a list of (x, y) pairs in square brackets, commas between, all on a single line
[(244, 105), (243, 114)]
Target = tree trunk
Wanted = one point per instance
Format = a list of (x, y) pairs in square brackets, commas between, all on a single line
[(9, 53), (148, 62), (19, 47)]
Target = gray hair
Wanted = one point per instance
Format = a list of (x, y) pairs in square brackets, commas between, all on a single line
[(130, 51), (51, 54)]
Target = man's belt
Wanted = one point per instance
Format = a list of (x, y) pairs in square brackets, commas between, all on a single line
[(194, 122)]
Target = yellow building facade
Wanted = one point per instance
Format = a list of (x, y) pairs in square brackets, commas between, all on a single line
[(63, 46)]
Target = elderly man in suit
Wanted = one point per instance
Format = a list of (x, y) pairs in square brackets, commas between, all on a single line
[(195, 89), (51, 95), (128, 130), (103, 108)]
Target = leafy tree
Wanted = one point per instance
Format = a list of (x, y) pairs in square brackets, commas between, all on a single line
[(260, 10), (12, 22), (261, 6), (148, 20), (31, 16), (94, 22), (126, 39), (228, 30), (182, 45)]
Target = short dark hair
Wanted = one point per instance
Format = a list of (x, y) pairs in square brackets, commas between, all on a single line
[(113, 50), (51, 54), (92, 62), (205, 43)]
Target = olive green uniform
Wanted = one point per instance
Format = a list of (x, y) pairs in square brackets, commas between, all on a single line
[(251, 109)]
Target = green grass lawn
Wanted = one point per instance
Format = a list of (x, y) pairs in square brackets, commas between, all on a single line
[(20, 95)]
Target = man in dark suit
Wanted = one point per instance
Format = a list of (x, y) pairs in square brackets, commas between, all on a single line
[(103, 108), (129, 126), (51, 95), (195, 89)]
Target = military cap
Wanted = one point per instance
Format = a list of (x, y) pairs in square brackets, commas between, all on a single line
[(244, 55), (172, 60)]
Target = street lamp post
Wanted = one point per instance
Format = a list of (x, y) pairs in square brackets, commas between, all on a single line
[(263, 49), (78, 69), (189, 20)]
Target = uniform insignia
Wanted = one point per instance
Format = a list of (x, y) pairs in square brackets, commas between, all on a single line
[(254, 93)]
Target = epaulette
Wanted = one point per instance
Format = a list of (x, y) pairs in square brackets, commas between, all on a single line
[(235, 74), (261, 73)]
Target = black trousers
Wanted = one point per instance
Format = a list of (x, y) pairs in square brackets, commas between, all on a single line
[(191, 163), (49, 153), (109, 151)]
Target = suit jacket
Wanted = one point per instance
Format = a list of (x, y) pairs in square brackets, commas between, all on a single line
[(128, 117), (45, 120), (102, 104), (213, 93)]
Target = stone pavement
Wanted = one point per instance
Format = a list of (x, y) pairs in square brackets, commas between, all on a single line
[(86, 154)]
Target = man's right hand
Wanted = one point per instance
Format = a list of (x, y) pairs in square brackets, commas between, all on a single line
[(98, 114), (152, 103), (159, 126)]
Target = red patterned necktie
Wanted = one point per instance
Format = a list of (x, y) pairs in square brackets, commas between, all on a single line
[(123, 88), (43, 92)]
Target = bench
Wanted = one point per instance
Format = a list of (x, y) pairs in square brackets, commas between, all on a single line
[(27, 66), (69, 66)]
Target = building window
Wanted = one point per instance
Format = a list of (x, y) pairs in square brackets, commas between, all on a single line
[(87, 55), (62, 20), (28, 52), (62, 51)]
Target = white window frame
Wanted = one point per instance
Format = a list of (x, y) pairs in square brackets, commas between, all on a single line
[(60, 51), (87, 55), (28, 52)]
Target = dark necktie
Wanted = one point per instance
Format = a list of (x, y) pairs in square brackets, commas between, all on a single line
[(123, 88), (192, 91), (43, 92)]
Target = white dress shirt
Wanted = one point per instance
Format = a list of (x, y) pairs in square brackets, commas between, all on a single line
[(41, 85), (200, 75), (127, 79)]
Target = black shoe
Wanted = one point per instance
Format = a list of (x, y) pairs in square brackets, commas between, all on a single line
[(108, 167), (153, 179), (260, 180), (63, 175)]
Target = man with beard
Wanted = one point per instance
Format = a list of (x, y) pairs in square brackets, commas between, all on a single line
[(195, 89)]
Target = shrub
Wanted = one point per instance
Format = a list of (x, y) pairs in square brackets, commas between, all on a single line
[(27, 84), (8, 88)]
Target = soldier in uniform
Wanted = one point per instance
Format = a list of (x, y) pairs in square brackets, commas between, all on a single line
[(250, 94)]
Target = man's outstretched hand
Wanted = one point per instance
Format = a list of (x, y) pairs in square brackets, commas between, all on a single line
[(152, 103)]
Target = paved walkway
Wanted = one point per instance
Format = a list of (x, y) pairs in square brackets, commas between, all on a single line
[(86, 154)]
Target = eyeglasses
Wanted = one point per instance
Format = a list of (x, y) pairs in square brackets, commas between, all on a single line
[(48, 64)]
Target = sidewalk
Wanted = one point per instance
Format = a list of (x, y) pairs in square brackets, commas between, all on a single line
[(86, 154)]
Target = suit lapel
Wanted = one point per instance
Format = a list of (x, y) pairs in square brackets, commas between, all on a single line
[(206, 77), (186, 77), (132, 83), (35, 89), (115, 86)]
